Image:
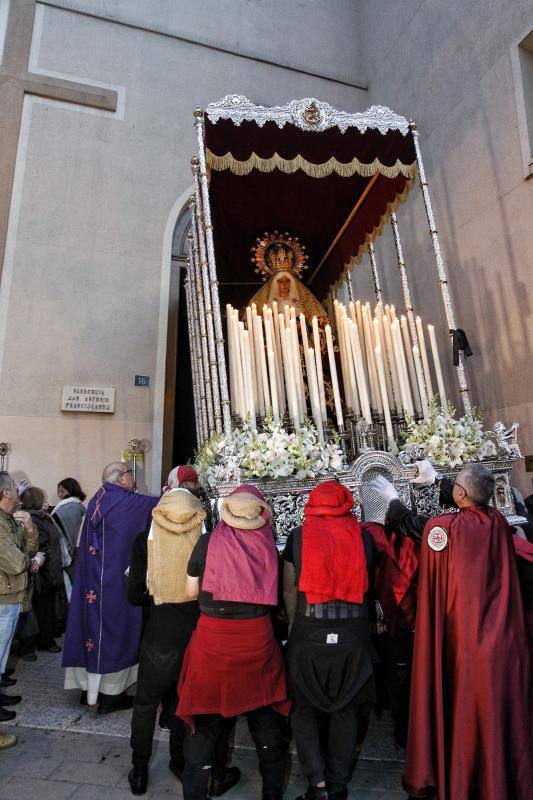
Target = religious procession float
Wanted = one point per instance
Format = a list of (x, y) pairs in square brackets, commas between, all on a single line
[(298, 380)]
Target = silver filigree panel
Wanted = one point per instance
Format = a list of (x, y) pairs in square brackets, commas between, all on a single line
[(308, 114)]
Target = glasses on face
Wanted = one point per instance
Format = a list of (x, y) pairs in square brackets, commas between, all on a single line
[(126, 471), (460, 487)]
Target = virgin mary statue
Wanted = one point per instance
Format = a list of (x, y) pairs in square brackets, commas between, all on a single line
[(281, 259)]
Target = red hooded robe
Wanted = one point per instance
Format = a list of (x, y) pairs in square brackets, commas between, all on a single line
[(470, 719)]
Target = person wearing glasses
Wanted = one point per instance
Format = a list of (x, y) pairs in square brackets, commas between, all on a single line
[(470, 715), (101, 649)]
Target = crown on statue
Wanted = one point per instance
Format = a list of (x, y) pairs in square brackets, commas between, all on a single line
[(278, 252)]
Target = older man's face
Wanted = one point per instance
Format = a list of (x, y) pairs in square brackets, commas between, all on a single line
[(10, 499)]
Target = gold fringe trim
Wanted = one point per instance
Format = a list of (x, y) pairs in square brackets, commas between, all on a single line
[(373, 235), (289, 166)]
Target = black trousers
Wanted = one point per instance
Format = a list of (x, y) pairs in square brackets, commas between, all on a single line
[(267, 731), (326, 743), (156, 684), (396, 656), (45, 609)]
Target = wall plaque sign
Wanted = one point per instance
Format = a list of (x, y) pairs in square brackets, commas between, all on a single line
[(91, 399)]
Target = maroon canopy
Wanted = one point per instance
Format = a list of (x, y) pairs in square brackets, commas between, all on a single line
[(274, 175)]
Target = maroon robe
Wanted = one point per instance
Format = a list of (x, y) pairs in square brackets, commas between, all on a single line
[(470, 719)]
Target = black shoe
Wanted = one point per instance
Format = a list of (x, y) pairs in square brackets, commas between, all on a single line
[(231, 778), (341, 795), (53, 649), (314, 793), (6, 682), (83, 699), (29, 657), (10, 699), (6, 716), (138, 780), (122, 703), (176, 769), (9, 671)]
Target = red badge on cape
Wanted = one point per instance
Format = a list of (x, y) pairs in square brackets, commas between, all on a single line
[(438, 538)]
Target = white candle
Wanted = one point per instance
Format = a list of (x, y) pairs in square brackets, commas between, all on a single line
[(384, 396), (343, 357), (250, 326), (350, 364), (379, 337), (361, 332), (411, 364), (319, 371), (437, 364), (313, 391), (423, 353), (402, 370), (239, 371), (298, 372), (371, 361), (257, 359), (360, 373), (231, 358), (303, 328), (273, 387), (391, 358), (334, 380), (249, 382), (291, 383), (262, 361), (420, 380)]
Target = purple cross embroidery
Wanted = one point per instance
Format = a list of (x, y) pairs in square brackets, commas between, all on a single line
[(90, 597)]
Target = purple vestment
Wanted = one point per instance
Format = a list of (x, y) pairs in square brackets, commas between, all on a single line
[(103, 630)]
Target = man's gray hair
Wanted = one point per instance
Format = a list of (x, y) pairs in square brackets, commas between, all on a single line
[(112, 472), (6, 482), (478, 482)]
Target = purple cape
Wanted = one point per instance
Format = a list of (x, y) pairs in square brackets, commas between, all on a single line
[(103, 630)]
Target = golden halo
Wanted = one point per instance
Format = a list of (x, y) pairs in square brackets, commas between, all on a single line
[(279, 252)]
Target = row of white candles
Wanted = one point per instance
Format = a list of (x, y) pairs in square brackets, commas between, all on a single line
[(380, 368)]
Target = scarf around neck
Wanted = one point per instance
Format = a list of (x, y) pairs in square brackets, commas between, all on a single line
[(333, 556), (242, 561)]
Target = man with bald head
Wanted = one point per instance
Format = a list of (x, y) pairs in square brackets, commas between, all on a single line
[(102, 641), (470, 716)]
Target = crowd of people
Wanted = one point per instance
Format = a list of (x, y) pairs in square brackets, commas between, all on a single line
[(166, 611)]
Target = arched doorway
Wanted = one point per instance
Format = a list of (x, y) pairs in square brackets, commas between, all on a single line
[(179, 439)]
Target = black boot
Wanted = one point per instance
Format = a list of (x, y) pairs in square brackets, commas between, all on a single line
[(340, 795), (138, 780), (10, 699), (231, 778), (7, 716), (6, 682), (110, 703)]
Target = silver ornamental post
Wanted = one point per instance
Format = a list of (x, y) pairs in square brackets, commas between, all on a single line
[(375, 275), (202, 277), (198, 416), (198, 307), (215, 301), (441, 269), (407, 300)]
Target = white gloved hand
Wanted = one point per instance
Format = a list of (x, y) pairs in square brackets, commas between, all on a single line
[(426, 472), (385, 488)]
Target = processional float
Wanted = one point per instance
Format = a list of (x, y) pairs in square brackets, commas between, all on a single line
[(305, 188)]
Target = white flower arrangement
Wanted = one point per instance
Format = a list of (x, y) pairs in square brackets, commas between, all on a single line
[(269, 452), (448, 441)]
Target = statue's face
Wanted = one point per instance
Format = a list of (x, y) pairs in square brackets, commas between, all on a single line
[(284, 285)]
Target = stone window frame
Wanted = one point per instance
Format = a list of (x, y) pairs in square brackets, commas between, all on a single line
[(522, 63)]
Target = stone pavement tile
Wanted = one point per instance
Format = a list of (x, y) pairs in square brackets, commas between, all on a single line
[(26, 788), (88, 792), (28, 766), (369, 778), (373, 794), (60, 745), (393, 780), (103, 774)]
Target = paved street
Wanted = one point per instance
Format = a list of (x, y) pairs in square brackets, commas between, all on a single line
[(67, 751)]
